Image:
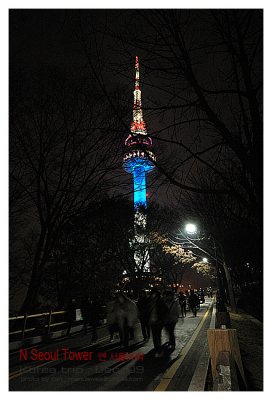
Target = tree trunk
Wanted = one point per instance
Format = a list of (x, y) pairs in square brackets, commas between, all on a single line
[(229, 287), (30, 301), (41, 256)]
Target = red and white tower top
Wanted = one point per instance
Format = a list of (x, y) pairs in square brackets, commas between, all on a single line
[(138, 141), (138, 125)]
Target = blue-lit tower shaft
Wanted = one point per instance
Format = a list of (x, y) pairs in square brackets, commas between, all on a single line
[(139, 166), (139, 187)]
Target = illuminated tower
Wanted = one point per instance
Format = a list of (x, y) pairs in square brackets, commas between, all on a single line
[(138, 161)]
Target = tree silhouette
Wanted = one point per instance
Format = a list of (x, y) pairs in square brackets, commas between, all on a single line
[(63, 155)]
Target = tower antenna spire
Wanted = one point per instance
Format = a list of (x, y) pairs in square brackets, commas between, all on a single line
[(138, 125), (137, 74)]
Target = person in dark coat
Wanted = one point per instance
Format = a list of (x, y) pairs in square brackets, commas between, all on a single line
[(220, 305), (193, 301), (202, 296), (126, 317), (70, 315), (171, 317), (182, 303), (85, 312), (142, 305), (94, 314), (111, 316), (156, 308)]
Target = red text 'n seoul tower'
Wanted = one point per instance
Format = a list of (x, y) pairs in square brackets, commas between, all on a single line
[(138, 161)]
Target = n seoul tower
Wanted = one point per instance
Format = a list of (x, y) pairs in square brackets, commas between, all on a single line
[(138, 161)]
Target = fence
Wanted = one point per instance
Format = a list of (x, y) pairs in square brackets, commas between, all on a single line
[(28, 325), (226, 362), (43, 324)]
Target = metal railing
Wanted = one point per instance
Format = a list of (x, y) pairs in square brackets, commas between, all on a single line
[(45, 323), (41, 323)]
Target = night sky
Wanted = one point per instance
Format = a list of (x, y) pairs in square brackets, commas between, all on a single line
[(51, 39)]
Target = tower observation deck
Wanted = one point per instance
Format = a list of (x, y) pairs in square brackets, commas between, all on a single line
[(138, 159)]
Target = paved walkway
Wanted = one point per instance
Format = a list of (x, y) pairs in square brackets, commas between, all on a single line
[(250, 337), (171, 372)]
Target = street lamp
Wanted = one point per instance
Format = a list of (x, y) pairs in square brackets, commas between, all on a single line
[(188, 241), (190, 228)]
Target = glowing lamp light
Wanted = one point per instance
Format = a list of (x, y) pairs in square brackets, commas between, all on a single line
[(190, 228), (205, 260)]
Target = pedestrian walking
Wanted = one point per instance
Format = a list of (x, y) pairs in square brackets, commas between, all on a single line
[(202, 296), (85, 312), (220, 304), (182, 303), (156, 315), (171, 317), (94, 315), (70, 315), (111, 316), (126, 316), (193, 301), (143, 311), (210, 292)]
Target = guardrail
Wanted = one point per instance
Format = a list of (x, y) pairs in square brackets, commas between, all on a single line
[(29, 324), (45, 323)]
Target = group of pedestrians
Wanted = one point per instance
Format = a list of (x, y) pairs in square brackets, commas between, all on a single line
[(155, 311), (193, 302)]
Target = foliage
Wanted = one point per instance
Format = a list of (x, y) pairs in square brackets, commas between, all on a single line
[(170, 260), (205, 269)]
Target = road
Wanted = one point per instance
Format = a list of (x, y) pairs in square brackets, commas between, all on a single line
[(105, 367)]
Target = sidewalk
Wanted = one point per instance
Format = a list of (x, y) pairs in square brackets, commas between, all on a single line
[(111, 374), (192, 361), (250, 337), (192, 372)]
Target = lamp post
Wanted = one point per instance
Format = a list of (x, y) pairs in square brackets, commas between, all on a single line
[(191, 229)]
